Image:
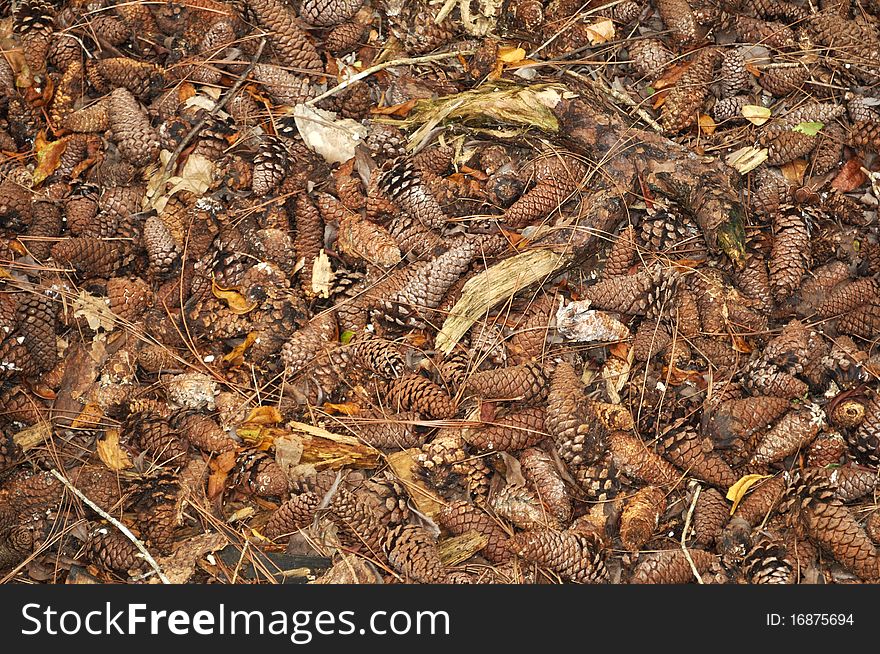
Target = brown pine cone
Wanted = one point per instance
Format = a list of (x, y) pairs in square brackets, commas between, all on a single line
[(64, 49), (833, 527), (461, 517), (393, 432), (284, 87), (632, 456), (129, 297), (359, 524), (203, 432), (865, 135), (827, 157), (536, 205), (345, 37), (850, 482), (781, 79), (650, 57), (143, 79), (573, 556), (163, 251), (685, 100), (357, 237), (864, 442), (620, 253), (413, 392), (308, 239), (291, 44), (863, 321), (91, 257), (730, 108), (294, 514), (539, 470), (101, 485), (734, 75), (794, 430), (514, 431), (37, 317), (769, 380), (769, 33), (827, 449), (32, 22), (151, 433), (136, 139), (323, 13), (629, 294), (788, 146), (259, 474), (679, 19), (761, 500), (403, 183), (526, 384), (688, 452), (271, 165), (640, 517), (111, 549), (18, 406), (672, 567), (414, 554), (791, 253), (848, 296), (579, 438), (711, 515), (872, 526), (768, 563)]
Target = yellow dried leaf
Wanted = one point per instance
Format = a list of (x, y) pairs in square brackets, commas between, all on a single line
[(346, 408), (756, 114), (234, 300), (794, 171), (264, 415), (426, 500), (707, 125), (738, 491), (510, 55), (48, 156), (110, 453), (601, 31), (236, 357), (88, 418)]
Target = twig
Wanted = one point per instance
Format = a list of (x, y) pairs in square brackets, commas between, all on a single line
[(169, 166), (687, 526), (386, 64), (618, 97), (113, 521)]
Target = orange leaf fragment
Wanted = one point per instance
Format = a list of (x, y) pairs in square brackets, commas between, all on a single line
[(794, 171), (345, 408), (850, 176), (264, 415), (401, 110), (48, 155), (511, 55), (706, 124), (671, 76)]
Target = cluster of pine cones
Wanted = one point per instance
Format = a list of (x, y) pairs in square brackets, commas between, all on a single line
[(187, 288)]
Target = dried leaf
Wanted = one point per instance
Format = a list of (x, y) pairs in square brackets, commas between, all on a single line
[(756, 114), (707, 125), (31, 437), (235, 358), (333, 138), (671, 76), (738, 491), (88, 418), (110, 453), (808, 128), (601, 31), (345, 408), (180, 566), (322, 275), (264, 415), (511, 55), (746, 159), (401, 110), (794, 171), (48, 156), (850, 177), (234, 300), (96, 311), (426, 500)]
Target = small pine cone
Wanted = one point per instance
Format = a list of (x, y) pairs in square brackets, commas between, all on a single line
[(539, 470), (163, 252), (526, 384), (864, 442), (45, 226), (15, 203), (771, 191), (510, 433), (112, 549), (686, 313), (36, 318), (129, 297), (462, 517), (18, 406), (754, 282), (832, 526), (788, 146), (32, 22), (679, 19), (528, 340), (734, 75), (850, 482), (293, 515), (520, 506), (257, 473), (413, 554), (761, 500), (827, 157), (794, 430), (324, 13), (573, 556), (872, 526), (90, 257), (345, 37), (359, 525), (536, 205), (771, 34), (153, 434), (827, 449), (136, 139), (650, 57), (416, 393), (271, 165), (307, 343), (64, 49), (626, 12), (308, 240), (413, 239), (291, 44), (393, 432), (403, 183), (284, 87), (842, 206), (620, 254), (640, 517), (203, 432), (686, 450), (774, 382), (781, 79), (380, 357), (578, 437), (99, 484), (355, 102), (730, 108), (143, 79), (632, 456), (768, 563), (685, 100), (848, 296), (789, 259), (711, 515), (672, 567), (365, 240), (864, 321), (158, 515), (629, 294), (528, 15)]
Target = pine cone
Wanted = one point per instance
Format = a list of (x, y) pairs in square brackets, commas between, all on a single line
[(163, 251), (284, 87), (771, 34), (788, 146), (781, 79), (730, 108), (633, 457), (394, 432), (827, 449), (578, 437), (832, 526), (686, 450), (129, 297), (536, 205), (416, 393), (863, 321), (711, 515), (91, 257), (640, 517), (865, 441), (271, 165), (403, 183), (865, 135), (153, 434), (526, 384), (631, 294), (136, 139), (790, 256), (539, 470), (363, 239), (761, 500), (291, 44), (649, 57), (848, 296), (294, 514), (414, 554), (679, 19), (672, 567), (511, 432), (795, 430), (36, 318), (345, 37), (574, 556), (768, 563), (734, 75), (143, 79), (32, 22), (685, 100), (257, 473), (203, 432), (461, 517), (113, 550), (158, 511)]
